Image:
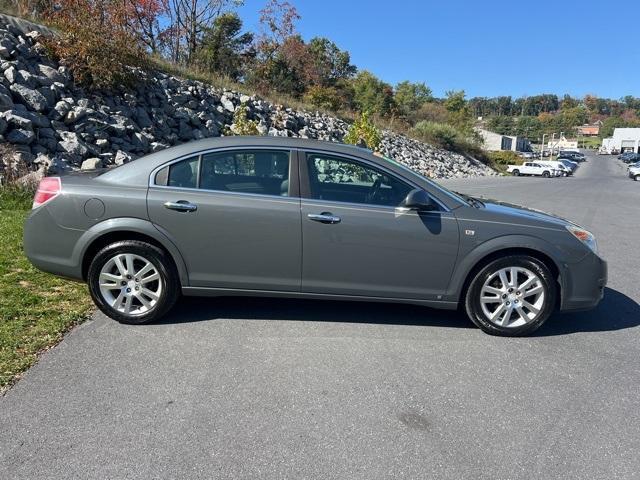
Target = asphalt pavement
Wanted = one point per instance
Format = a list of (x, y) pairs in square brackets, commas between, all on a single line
[(259, 388)]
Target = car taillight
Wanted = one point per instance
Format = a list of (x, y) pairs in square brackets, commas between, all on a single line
[(48, 189)]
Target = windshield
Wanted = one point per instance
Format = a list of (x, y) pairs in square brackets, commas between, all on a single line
[(438, 187)]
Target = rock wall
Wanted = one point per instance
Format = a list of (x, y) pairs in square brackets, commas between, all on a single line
[(54, 126)]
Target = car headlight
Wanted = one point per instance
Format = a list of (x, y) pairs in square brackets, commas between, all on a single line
[(584, 236)]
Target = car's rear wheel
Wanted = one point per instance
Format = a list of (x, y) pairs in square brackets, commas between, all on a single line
[(133, 282), (511, 296), (516, 173), (637, 178)]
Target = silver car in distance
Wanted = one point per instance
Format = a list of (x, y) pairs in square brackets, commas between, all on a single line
[(268, 216)]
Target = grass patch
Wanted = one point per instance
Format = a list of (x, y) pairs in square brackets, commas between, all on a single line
[(36, 309), (590, 142)]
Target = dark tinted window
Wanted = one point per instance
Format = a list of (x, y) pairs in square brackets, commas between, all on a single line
[(342, 180), (264, 172), (183, 174)]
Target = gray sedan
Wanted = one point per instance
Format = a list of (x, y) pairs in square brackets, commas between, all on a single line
[(245, 216)]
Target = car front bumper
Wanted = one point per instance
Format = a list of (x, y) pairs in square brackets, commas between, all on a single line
[(583, 283)]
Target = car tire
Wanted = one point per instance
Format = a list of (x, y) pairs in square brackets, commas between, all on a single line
[(531, 309), (133, 282), (545, 174), (516, 173), (637, 178)]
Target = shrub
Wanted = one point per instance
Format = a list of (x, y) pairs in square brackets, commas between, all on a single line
[(95, 43), (326, 98), (439, 134), (364, 133), (504, 157), (241, 123)]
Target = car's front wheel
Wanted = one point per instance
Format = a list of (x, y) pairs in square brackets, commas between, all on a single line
[(516, 173), (637, 178), (133, 282), (511, 296)]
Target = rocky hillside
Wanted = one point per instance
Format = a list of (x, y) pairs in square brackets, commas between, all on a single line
[(52, 125)]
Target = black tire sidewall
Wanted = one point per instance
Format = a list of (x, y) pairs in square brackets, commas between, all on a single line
[(164, 266), (472, 297)]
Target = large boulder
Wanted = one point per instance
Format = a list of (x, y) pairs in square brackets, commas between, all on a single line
[(91, 164), (70, 143), (20, 136), (30, 97)]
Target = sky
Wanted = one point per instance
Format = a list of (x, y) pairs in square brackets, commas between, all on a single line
[(485, 47)]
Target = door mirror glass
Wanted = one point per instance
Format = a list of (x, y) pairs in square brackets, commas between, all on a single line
[(420, 200)]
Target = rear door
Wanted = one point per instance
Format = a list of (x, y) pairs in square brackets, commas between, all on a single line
[(235, 217), (356, 239)]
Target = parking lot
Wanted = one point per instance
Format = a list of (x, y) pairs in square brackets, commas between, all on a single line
[(259, 388)]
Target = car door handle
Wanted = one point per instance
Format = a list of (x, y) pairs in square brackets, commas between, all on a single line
[(181, 206), (324, 217)]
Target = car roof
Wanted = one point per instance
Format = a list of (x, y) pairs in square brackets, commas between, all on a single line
[(137, 172)]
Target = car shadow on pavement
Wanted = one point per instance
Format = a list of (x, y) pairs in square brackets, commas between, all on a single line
[(192, 309), (616, 312)]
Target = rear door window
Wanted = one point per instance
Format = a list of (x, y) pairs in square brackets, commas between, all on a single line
[(262, 172)]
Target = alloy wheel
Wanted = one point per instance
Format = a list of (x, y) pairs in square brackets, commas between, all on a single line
[(130, 284), (512, 297)]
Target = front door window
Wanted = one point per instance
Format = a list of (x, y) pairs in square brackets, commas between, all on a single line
[(337, 179)]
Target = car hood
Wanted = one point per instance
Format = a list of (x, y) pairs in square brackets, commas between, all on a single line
[(508, 212)]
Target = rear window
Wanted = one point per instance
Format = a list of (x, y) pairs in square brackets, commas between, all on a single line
[(182, 174)]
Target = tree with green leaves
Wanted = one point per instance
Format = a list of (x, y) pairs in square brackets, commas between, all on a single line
[(409, 97), (224, 48), (371, 94), (611, 123), (331, 63)]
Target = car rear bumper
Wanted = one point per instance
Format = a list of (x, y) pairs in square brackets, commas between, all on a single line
[(584, 283), (50, 247)]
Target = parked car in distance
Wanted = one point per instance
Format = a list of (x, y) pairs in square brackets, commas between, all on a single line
[(531, 168), (526, 155), (557, 166), (569, 164), (574, 156), (631, 165), (284, 217), (631, 158), (634, 172)]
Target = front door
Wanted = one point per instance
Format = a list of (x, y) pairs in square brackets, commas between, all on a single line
[(234, 217), (357, 241)]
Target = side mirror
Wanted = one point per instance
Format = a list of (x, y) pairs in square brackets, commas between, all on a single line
[(419, 200)]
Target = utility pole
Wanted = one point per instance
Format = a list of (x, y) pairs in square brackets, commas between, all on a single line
[(542, 146), (553, 144)]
